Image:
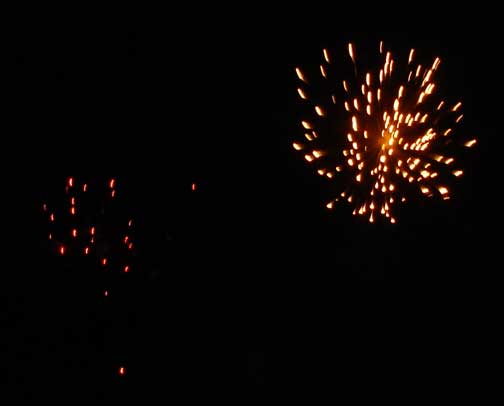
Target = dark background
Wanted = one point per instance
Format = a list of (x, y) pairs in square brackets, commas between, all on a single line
[(247, 285)]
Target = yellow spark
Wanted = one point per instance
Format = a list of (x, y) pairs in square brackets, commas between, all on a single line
[(354, 123), (457, 106), (471, 143), (326, 55), (319, 111), (300, 75), (351, 52), (306, 125), (297, 146), (419, 69), (322, 71), (427, 76), (410, 58), (302, 93), (436, 63)]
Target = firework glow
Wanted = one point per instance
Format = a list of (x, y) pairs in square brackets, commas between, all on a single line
[(386, 133)]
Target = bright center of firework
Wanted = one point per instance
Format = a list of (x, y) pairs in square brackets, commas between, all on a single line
[(396, 134)]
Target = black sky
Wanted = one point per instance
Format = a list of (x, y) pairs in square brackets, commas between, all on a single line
[(251, 271)]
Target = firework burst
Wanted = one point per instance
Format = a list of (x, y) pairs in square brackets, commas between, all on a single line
[(385, 131), (87, 222)]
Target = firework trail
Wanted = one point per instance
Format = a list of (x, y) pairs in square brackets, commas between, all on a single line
[(385, 132)]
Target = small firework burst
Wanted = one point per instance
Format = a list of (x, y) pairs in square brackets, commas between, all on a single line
[(86, 221)]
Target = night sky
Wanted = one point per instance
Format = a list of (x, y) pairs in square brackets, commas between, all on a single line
[(247, 285)]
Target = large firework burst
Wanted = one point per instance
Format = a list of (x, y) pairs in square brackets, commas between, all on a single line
[(386, 131)]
